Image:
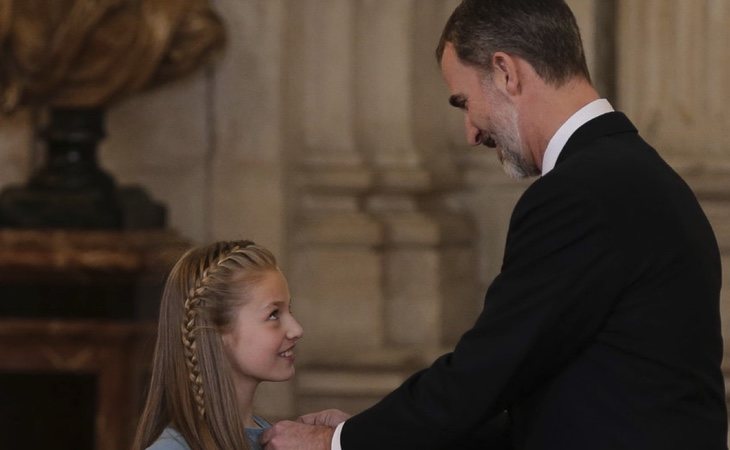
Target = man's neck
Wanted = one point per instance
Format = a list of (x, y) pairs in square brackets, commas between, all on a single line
[(545, 111)]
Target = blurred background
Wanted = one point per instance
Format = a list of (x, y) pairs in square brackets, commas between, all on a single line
[(318, 128)]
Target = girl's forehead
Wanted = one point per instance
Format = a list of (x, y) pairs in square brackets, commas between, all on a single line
[(269, 287)]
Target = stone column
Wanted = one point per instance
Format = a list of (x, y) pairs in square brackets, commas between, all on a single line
[(382, 265), (334, 268), (673, 72), (245, 164), (426, 253)]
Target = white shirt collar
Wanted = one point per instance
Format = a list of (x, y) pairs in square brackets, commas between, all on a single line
[(560, 138)]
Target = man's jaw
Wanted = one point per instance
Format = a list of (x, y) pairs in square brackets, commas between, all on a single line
[(513, 165), (489, 142)]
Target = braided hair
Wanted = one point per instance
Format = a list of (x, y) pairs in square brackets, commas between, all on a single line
[(191, 387)]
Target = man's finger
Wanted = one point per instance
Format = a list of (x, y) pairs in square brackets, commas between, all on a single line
[(275, 429), (309, 419), (328, 417), (267, 435)]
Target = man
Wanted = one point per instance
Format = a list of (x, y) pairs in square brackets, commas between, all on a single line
[(602, 330)]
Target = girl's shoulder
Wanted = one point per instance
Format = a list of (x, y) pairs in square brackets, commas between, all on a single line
[(261, 422), (170, 439), (254, 434)]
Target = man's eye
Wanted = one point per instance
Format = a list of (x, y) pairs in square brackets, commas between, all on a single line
[(274, 315)]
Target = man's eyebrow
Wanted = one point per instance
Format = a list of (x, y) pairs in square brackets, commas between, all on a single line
[(457, 101)]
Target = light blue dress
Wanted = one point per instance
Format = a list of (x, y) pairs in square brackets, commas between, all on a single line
[(171, 439)]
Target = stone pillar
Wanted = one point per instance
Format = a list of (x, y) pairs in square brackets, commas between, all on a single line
[(381, 265), (245, 163), (383, 93), (426, 248), (673, 72), (335, 271)]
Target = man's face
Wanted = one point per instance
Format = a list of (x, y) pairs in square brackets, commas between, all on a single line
[(490, 118)]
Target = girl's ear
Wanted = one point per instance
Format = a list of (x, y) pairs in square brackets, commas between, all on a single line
[(226, 340)]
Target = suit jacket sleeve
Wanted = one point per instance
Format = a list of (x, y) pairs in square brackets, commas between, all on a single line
[(560, 277)]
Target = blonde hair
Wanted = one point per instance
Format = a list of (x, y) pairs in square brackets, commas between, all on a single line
[(191, 387)]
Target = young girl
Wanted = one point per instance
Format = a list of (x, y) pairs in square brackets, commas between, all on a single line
[(225, 325)]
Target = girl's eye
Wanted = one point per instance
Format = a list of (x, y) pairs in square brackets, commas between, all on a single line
[(274, 315)]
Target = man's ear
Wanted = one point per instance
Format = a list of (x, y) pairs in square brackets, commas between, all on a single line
[(506, 73)]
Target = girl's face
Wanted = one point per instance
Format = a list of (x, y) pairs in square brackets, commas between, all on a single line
[(260, 343)]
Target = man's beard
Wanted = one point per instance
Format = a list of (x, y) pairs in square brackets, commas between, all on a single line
[(509, 143)]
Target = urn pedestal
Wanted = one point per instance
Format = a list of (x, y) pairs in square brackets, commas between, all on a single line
[(77, 331), (70, 190)]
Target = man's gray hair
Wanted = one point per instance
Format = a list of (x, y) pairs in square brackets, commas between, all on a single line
[(542, 32)]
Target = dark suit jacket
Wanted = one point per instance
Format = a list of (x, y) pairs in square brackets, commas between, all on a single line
[(602, 330)]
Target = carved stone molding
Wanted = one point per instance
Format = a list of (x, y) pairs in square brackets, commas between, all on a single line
[(673, 67)]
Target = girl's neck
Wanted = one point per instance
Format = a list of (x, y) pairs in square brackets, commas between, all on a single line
[(248, 421), (245, 392)]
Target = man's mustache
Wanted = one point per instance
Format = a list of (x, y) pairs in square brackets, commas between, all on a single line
[(489, 142)]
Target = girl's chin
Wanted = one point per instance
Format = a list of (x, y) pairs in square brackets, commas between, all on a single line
[(281, 376)]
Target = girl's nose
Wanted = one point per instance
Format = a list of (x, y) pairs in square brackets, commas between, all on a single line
[(295, 330)]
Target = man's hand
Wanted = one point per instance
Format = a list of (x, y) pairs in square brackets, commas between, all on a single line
[(287, 435), (329, 417)]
